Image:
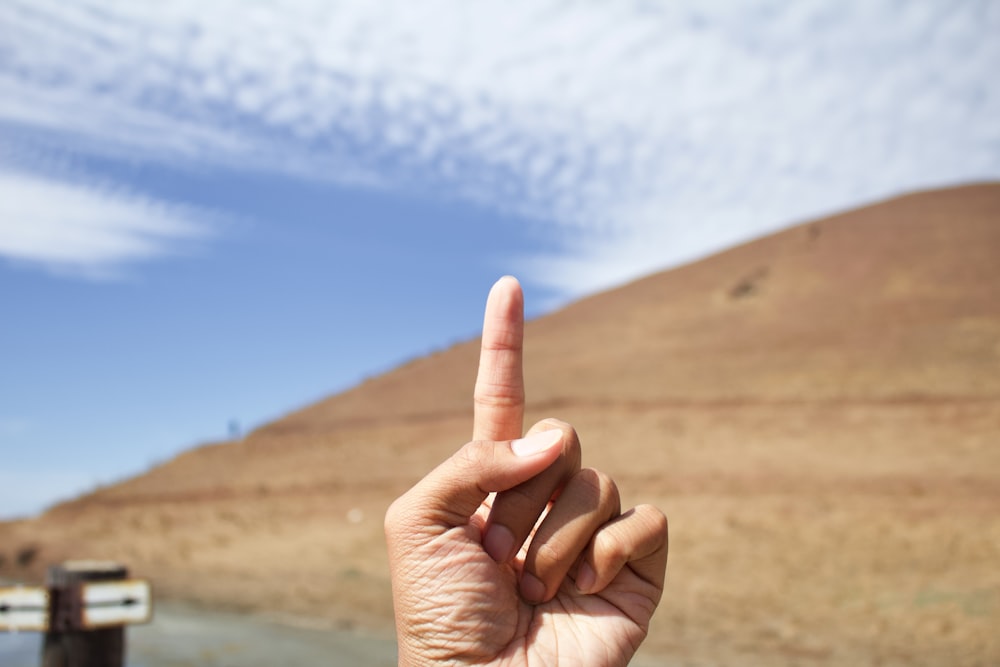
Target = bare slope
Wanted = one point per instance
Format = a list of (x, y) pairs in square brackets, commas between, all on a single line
[(896, 300), (817, 411)]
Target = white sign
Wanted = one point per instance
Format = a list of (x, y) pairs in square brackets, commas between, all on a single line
[(109, 603), (24, 608)]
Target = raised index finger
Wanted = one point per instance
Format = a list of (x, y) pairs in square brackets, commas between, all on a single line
[(499, 394)]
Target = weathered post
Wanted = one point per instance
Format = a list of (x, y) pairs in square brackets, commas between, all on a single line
[(68, 643), (83, 611)]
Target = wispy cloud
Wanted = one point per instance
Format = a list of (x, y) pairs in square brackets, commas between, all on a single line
[(645, 135), (86, 229)]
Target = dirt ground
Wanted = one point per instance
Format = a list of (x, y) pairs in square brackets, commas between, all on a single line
[(823, 547)]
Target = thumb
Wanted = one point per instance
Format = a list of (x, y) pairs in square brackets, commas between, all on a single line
[(452, 492)]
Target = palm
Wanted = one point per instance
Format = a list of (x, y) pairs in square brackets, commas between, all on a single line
[(493, 625), (587, 629)]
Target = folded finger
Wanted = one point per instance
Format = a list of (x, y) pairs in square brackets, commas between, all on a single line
[(451, 494), (515, 511), (637, 539), (589, 500)]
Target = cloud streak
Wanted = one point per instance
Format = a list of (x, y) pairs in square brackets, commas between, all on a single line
[(642, 135), (85, 229)]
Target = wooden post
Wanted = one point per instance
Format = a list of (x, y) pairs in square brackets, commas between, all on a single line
[(66, 644)]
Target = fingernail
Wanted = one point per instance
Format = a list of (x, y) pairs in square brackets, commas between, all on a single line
[(537, 442), (585, 578), (532, 589), (498, 543)]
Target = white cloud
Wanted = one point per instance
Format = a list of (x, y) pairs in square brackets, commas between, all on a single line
[(85, 229), (646, 134)]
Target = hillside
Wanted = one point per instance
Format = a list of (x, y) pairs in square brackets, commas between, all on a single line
[(817, 411)]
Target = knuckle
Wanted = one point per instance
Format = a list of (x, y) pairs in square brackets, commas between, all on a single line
[(572, 450), (505, 340), (397, 518), (655, 519), (556, 423), (600, 486), (547, 554), (520, 500), (591, 481), (498, 396), (392, 517), (610, 548), (475, 455), (569, 433), (572, 453), (614, 498), (500, 386)]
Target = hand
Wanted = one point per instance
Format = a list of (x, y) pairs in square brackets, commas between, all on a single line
[(478, 579)]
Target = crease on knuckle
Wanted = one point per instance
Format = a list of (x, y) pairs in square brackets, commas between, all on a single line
[(610, 549), (498, 394), (547, 556), (519, 500), (476, 456), (602, 487)]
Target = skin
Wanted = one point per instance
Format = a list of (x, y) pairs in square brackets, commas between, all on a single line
[(478, 579)]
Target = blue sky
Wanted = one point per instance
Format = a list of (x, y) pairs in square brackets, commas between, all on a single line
[(218, 211)]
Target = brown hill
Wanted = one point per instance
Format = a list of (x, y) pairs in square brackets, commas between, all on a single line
[(818, 412)]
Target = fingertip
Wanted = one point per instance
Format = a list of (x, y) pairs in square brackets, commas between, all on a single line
[(507, 280), (586, 578), (498, 542), (532, 588), (506, 294), (499, 391)]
